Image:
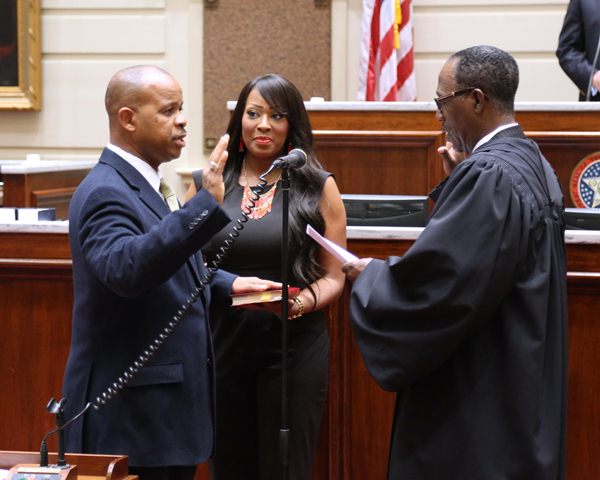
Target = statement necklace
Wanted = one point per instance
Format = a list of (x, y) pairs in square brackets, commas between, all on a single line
[(254, 207)]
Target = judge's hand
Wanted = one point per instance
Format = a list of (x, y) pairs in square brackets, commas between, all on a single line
[(253, 284), (450, 157), (353, 269), (212, 177)]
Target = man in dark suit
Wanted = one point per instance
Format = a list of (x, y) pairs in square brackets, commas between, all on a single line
[(135, 263), (578, 46)]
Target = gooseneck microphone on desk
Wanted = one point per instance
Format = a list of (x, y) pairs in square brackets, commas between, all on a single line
[(58, 409), (59, 471)]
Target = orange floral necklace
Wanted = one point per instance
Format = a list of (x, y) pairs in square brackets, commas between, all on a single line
[(255, 207)]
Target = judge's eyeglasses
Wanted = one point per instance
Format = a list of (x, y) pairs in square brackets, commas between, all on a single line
[(439, 101)]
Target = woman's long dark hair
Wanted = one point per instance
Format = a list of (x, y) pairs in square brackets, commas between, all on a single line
[(306, 182)]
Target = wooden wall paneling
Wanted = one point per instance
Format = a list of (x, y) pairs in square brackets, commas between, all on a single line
[(568, 120), (373, 162), (367, 409), (14, 191), (564, 150), (377, 120), (422, 117), (330, 447), (370, 413), (583, 424), (36, 298), (17, 247), (583, 258), (35, 301)]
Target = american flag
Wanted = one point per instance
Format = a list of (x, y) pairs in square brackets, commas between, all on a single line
[(386, 53)]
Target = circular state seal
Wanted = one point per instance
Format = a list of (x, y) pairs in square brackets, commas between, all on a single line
[(584, 185)]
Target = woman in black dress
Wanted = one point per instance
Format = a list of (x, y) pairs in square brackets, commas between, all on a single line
[(268, 121)]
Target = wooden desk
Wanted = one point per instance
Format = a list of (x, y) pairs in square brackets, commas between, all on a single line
[(89, 467), (42, 184), (36, 296), (420, 116), (357, 140)]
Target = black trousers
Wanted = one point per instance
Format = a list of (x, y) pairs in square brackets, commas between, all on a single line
[(164, 473), (248, 369)]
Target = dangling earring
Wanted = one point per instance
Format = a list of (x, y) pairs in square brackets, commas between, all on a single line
[(242, 146)]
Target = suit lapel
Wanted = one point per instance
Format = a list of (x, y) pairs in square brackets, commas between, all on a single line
[(136, 182), (148, 197)]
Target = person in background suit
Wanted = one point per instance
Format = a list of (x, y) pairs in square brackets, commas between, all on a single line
[(578, 44), (469, 327), (135, 262)]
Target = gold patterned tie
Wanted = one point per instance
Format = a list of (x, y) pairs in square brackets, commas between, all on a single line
[(169, 195)]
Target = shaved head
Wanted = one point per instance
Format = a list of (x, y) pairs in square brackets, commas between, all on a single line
[(144, 105), (127, 87)]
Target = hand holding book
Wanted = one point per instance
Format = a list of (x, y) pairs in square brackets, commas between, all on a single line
[(267, 300)]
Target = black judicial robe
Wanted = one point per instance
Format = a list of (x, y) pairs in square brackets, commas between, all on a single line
[(469, 327)]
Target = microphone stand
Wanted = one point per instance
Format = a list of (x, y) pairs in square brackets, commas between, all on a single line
[(60, 423), (58, 409), (284, 432)]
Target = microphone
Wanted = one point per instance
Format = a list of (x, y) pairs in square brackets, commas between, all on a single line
[(589, 88), (58, 409), (293, 160)]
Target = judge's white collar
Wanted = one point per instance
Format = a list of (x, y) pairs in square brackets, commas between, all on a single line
[(490, 135)]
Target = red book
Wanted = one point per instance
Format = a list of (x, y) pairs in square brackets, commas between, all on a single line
[(240, 299)]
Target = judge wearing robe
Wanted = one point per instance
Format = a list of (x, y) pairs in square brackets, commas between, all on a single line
[(469, 327)]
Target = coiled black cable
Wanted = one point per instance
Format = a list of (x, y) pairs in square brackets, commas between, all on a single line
[(142, 360)]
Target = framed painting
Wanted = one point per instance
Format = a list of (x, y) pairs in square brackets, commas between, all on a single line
[(20, 56)]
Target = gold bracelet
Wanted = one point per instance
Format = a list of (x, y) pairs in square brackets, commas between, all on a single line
[(297, 301)]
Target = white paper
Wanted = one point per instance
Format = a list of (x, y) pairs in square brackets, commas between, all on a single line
[(338, 252)]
